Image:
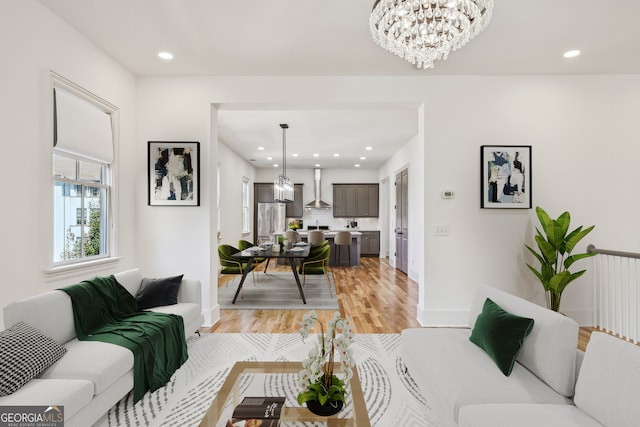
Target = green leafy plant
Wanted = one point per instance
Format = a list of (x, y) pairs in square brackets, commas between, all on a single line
[(317, 378), (554, 254)]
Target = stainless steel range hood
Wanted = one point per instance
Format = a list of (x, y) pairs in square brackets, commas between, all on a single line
[(317, 203)]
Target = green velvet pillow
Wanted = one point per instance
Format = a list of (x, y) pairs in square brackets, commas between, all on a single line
[(500, 334)]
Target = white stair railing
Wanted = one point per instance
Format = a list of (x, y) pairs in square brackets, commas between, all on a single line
[(617, 292)]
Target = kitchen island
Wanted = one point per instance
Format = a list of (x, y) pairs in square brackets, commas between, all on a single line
[(356, 237)]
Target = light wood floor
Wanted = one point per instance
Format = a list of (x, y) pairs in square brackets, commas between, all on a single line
[(375, 296)]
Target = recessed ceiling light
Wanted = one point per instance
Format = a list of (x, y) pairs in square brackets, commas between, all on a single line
[(165, 55), (336, 155), (295, 154), (571, 53), (316, 155), (261, 148), (275, 165), (357, 165), (317, 165), (269, 158), (368, 148), (363, 158)]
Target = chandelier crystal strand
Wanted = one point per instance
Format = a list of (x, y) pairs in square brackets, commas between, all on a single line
[(423, 31)]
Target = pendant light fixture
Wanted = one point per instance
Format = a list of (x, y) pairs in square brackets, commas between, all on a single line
[(423, 31), (282, 186)]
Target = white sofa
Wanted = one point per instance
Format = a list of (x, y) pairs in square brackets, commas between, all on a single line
[(92, 376), (552, 382)]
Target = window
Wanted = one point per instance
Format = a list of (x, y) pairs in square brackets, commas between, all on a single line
[(80, 198), (245, 206), (82, 176)]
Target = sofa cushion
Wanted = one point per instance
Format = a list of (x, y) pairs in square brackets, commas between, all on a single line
[(130, 280), (456, 373), (24, 353), (500, 334), (524, 415), (49, 312), (609, 381), (186, 310), (100, 363), (550, 349), (158, 292), (72, 394)]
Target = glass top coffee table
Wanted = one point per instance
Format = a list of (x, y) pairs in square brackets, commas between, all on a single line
[(354, 414)]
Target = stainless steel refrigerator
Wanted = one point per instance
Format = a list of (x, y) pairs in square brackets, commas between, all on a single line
[(272, 218)]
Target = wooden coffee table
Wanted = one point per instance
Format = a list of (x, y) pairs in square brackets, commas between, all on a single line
[(230, 392)]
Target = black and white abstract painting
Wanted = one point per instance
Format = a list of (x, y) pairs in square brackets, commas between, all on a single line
[(505, 176), (174, 173)]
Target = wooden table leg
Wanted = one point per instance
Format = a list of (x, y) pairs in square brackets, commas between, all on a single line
[(295, 274), (244, 276)]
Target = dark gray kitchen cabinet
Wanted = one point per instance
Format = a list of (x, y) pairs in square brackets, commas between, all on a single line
[(295, 209), (339, 201), (370, 245), (356, 200), (263, 193)]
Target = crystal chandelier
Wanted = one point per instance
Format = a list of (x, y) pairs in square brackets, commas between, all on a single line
[(422, 31), (282, 186)]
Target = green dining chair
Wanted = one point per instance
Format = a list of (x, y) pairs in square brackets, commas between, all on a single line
[(231, 265), (317, 263), (245, 244)]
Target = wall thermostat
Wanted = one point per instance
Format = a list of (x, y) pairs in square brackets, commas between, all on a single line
[(447, 194)]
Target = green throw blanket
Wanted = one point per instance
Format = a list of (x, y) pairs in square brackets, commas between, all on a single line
[(105, 311)]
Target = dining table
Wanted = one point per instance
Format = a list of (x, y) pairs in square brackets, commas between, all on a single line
[(292, 254)]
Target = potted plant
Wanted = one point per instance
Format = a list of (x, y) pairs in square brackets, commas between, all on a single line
[(294, 225), (323, 392), (554, 254), (281, 243)]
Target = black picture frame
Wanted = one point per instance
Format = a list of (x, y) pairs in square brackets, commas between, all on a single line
[(505, 177), (173, 172)]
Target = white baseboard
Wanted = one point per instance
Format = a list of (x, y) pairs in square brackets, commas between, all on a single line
[(211, 316)]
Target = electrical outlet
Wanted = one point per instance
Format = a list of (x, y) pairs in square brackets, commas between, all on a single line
[(442, 230)]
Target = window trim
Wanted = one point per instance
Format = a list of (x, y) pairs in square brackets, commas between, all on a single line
[(52, 268), (246, 197)]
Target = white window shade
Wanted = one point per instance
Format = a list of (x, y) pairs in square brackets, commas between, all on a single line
[(82, 129)]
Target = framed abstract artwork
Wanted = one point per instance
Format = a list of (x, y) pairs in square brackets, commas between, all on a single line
[(505, 176), (174, 173)]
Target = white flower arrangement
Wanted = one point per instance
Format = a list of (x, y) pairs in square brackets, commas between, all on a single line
[(317, 379)]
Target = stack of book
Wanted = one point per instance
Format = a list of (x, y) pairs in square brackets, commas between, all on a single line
[(257, 412)]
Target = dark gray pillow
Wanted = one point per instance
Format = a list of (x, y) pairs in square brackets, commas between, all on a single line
[(24, 353), (158, 292)]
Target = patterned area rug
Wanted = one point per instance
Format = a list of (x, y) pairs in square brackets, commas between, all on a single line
[(391, 395), (278, 291)]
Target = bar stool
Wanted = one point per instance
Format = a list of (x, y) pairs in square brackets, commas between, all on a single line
[(292, 237), (342, 238), (315, 237)]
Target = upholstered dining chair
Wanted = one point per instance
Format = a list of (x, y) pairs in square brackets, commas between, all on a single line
[(315, 237), (341, 239), (317, 263), (231, 265), (245, 244)]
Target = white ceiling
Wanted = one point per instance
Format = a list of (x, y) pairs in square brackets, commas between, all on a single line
[(331, 37)]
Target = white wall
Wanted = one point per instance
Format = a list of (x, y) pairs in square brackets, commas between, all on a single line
[(233, 169), (34, 42), (584, 149)]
